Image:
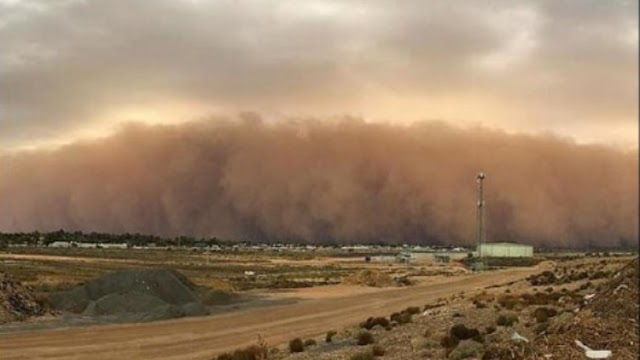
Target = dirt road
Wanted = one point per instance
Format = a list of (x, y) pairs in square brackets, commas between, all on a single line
[(202, 338)]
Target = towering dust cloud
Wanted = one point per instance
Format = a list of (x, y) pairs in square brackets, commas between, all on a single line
[(317, 182)]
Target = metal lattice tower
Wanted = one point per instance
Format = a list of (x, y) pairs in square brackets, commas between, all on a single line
[(480, 215)]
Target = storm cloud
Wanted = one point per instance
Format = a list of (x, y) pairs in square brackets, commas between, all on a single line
[(71, 68), (318, 181)]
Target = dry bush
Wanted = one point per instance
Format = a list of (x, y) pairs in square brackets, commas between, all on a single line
[(371, 322), (259, 351), (329, 336), (508, 302), (412, 310), (253, 352), (401, 317), (296, 345), (365, 355), (479, 304), (461, 332), (365, 338), (466, 349), (507, 319), (378, 350), (310, 342), (542, 314), (449, 342)]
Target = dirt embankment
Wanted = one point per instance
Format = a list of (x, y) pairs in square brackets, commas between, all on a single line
[(17, 302), (608, 321)]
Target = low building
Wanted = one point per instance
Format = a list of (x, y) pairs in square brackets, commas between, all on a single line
[(504, 249), (423, 257), (60, 244), (114, 246), (384, 258)]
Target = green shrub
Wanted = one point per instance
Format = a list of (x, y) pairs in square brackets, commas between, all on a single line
[(507, 319), (365, 338), (329, 336), (377, 350), (296, 345)]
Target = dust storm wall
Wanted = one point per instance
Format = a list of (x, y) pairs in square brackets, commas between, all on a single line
[(319, 181)]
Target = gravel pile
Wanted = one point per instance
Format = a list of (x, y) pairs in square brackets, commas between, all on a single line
[(133, 295)]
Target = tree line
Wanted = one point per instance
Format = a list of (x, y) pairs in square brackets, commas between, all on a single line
[(36, 238)]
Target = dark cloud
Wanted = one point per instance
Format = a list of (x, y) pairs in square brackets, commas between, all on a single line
[(65, 64), (312, 181)]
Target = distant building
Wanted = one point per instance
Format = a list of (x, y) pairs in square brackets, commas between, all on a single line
[(504, 249), (384, 258), (423, 256), (86, 245), (60, 244), (114, 246)]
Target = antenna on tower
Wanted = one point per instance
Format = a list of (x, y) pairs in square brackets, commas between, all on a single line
[(480, 217)]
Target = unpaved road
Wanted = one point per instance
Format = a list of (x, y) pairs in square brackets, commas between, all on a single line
[(202, 338)]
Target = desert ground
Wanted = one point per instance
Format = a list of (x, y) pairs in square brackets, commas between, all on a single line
[(290, 311)]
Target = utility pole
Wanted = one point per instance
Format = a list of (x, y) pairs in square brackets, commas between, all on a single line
[(480, 215)]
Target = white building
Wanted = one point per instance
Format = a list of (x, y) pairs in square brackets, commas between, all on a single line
[(504, 249), (60, 244)]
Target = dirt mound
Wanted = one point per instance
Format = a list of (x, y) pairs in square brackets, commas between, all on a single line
[(133, 295), (17, 302), (372, 278), (608, 321)]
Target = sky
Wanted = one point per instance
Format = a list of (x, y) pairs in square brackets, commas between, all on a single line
[(77, 69)]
